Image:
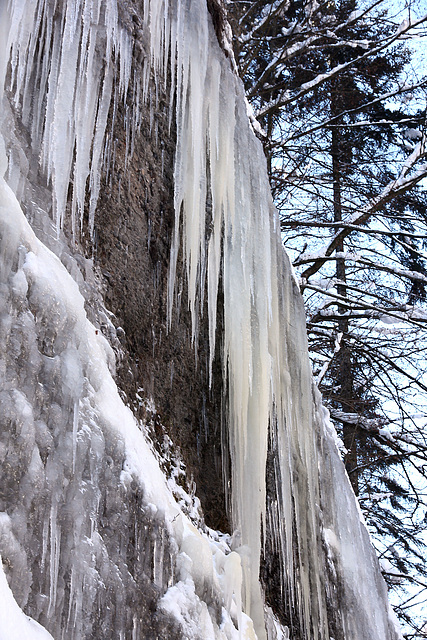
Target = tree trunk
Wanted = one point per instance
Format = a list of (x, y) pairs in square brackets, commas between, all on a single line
[(344, 376)]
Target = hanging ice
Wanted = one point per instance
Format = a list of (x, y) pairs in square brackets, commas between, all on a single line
[(93, 538)]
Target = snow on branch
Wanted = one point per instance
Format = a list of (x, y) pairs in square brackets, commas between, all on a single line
[(286, 97), (326, 365), (382, 98), (266, 16), (400, 185), (405, 313), (368, 424)]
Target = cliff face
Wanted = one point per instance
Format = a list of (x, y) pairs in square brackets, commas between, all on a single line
[(134, 227), (151, 325)]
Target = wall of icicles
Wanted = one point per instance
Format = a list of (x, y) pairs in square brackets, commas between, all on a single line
[(69, 69)]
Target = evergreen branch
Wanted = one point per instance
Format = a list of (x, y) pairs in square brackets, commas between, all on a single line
[(396, 187), (289, 96)]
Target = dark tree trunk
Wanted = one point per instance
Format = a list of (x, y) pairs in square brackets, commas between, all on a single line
[(344, 376)]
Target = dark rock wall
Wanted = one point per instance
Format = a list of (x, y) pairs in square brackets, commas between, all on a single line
[(133, 228)]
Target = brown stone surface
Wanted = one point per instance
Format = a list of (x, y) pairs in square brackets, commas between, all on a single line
[(133, 228)]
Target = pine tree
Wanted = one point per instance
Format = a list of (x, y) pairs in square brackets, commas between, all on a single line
[(345, 148)]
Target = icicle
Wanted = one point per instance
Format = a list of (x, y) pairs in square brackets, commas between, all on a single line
[(55, 548), (75, 426), (5, 29), (75, 76)]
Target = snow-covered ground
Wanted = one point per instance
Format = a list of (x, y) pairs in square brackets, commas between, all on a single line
[(14, 624)]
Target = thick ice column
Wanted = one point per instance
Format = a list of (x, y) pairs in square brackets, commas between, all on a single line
[(214, 155)]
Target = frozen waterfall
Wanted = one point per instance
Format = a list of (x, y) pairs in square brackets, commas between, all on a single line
[(98, 537)]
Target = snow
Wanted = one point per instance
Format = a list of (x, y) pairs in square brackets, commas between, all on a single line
[(14, 624), (393, 574), (354, 15), (404, 26), (412, 134)]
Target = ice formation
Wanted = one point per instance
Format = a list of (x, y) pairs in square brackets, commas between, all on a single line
[(64, 351), (77, 454), (14, 624)]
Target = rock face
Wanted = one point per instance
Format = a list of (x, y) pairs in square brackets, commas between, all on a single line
[(153, 350), (134, 226)]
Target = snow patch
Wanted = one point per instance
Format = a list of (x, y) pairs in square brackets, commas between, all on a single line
[(14, 624)]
